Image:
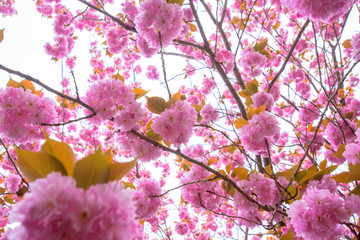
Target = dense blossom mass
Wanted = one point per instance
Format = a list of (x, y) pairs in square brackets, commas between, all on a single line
[(56, 207), (22, 113), (180, 119)]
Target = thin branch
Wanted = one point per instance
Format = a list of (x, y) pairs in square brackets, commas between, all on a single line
[(14, 165), (34, 80), (289, 55), (163, 66)]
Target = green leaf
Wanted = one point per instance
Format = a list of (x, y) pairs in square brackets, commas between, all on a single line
[(62, 152), (119, 170), (156, 104), (38, 164), (91, 170)]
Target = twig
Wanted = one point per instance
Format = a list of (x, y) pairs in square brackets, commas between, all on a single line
[(13, 163), (288, 55), (34, 80)]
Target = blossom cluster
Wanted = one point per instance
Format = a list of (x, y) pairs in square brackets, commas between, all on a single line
[(116, 39), (261, 132), (266, 192), (252, 61), (324, 10), (157, 19), (110, 95), (146, 204), (55, 208), (201, 194), (176, 123), (318, 214), (22, 113)]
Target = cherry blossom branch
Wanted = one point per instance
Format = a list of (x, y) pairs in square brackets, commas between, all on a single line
[(216, 64), (163, 66), (185, 184), (289, 54), (206, 167), (70, 121), (226, 42), (38, 82), (14, 164), (115, 19)]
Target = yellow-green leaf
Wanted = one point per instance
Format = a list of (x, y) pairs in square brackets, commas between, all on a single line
[(193, 27), (1, 35), (156, 104), (287, 173), (38, 164), (261, 45), (251, 87), (354, 171), (356, 190), (340, 151), (91, 170), (156, 137), (245, 93), (62, 152), (289, 235), (129, 185), (240, 122), (342, 177), (13, 83), (179, 2), (241, 173), (323, 164), (347, 43), (139, 92), (26, 84), (261, 109), (119, 170), (118, 77)]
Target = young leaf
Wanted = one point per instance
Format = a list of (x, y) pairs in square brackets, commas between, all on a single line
[(347, 43), (62, 152), (26, 84), (1, 35), (119, 170), (180, 2), (139, 92), (91, 170), (156, 104), (240, 122), (261, 45), (38, 164), (13, 83)]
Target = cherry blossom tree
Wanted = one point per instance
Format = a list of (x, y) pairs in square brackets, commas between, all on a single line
[(225, 119)]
